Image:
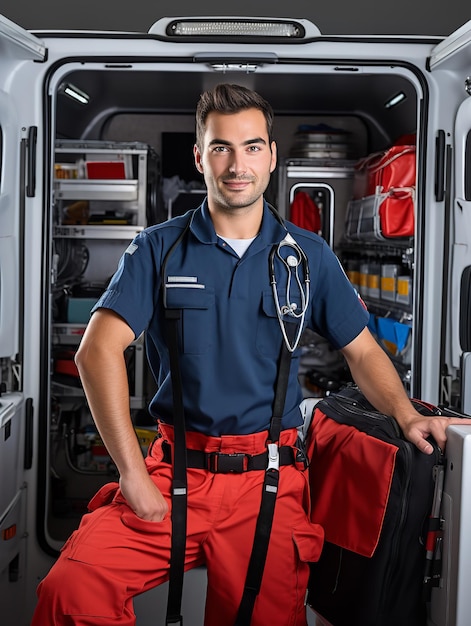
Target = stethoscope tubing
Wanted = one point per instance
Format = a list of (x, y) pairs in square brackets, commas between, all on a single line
[(292, 264)]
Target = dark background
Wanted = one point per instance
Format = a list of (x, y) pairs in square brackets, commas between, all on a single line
[(410, 17)]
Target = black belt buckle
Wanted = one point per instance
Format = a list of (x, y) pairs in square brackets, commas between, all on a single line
[(221, 463)]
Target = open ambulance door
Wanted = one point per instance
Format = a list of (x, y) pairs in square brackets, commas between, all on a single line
[(16, 47), (452, 59)]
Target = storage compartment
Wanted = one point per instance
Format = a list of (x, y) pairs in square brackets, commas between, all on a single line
[(328, 185), (100, 182), (110, 193)]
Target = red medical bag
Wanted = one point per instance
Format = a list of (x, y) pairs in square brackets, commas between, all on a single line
[(384, 195)]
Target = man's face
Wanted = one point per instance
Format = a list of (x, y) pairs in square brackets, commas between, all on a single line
[(236, 159)]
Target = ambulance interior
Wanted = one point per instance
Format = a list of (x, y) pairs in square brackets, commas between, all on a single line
[(122, 159)]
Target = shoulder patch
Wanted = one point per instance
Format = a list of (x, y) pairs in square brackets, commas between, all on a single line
[(131, 249)]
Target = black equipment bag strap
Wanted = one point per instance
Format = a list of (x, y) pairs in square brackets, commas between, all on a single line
[(284, 366), (263, 527), (179, 484)]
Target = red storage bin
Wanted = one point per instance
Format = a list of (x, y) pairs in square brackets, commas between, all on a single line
[(103, 170)]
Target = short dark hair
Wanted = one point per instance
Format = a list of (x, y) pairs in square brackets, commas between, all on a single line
[(226, 98)]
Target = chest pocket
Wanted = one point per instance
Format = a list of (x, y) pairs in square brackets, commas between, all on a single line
[(198, 316), (269, 335)]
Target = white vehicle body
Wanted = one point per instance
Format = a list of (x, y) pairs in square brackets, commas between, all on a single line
[(136, 87)]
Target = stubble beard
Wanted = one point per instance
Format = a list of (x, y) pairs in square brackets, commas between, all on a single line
[(229, 201)]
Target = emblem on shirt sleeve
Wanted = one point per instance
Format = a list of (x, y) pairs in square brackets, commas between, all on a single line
[(131, 249)]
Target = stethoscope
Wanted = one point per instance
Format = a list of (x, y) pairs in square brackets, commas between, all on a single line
[(293, 261)]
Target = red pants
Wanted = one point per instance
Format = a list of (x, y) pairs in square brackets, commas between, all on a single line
[(114, 555)]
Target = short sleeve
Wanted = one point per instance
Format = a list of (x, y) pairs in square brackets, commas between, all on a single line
[(133, 289)]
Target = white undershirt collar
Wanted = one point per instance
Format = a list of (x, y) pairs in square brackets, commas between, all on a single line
[(238, 245)]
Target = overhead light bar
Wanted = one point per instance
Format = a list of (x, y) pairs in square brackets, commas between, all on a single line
[(75, 93), (254, 27), (236, 28), (399, 97)]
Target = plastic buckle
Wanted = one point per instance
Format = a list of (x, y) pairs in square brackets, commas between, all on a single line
[(221, 463), (273, 457)]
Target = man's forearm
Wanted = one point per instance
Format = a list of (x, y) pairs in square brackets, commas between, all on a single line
[(106, 386), (375, 374)]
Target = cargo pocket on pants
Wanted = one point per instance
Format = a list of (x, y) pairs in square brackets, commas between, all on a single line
[(93, 592), (94, 583), (309, 539)]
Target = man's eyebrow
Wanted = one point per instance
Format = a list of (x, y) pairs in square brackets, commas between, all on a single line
[(248, 142)]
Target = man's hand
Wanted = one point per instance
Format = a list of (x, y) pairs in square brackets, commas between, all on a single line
[(144, 498), (378, 379), (418, 428)]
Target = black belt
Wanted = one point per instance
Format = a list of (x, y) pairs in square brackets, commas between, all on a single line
[(223, 463)]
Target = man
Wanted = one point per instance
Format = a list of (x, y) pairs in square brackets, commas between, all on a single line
[(231, 331)]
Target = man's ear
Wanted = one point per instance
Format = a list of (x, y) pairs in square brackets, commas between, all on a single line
[(198, 160), (273, 156)]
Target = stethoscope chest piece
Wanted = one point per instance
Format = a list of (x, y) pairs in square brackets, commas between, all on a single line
[(292, 261)]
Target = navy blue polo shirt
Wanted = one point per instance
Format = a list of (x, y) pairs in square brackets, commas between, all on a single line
[(230, 332)]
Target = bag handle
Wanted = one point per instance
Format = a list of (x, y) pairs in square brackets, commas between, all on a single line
[(392, 158)]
